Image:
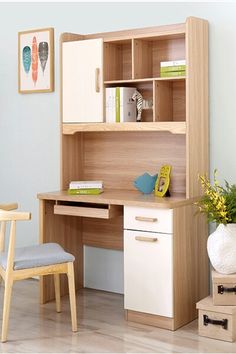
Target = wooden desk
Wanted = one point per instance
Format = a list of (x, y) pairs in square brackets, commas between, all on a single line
[(190, 266)]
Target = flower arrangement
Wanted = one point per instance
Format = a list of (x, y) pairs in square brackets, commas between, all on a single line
[(218, 203)]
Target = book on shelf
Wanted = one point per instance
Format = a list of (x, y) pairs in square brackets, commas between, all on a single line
[(172, 73), (86, 185), (164, 64), (110, 104), (119, 105), (167, 69), (85, 191), (172, 68)]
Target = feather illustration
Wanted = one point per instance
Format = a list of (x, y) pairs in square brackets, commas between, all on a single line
[(34, 61), (43, 54), (26, 58)]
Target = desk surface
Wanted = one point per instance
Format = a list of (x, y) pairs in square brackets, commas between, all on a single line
[(121, 197)]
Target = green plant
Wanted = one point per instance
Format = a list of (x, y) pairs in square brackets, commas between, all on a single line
[(218, 203)]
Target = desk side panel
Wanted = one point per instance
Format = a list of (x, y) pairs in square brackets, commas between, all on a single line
[(65, 230), (191, 267)]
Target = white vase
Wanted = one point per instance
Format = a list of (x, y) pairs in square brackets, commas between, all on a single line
[(221, 247)]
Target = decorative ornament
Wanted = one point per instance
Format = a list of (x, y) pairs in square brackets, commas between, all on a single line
[(34, 61), (26, 58), (139, 104), (43, 54)]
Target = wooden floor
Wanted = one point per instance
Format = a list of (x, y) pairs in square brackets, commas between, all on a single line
[(39, 329)]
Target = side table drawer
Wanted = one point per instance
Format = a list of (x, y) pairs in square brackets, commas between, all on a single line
[(148, 219)]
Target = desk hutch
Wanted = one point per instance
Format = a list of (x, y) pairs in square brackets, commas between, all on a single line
[(164, 242)]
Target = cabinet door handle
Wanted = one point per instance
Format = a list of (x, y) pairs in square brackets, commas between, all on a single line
[(145, 218), (97, 86), (146, 239)]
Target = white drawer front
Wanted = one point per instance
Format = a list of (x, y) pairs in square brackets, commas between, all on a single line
[(148, 272), (148, 219)]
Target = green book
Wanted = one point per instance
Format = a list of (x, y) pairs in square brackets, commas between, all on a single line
[(172, 68), (172, 74), (90, 191), (117, 105)]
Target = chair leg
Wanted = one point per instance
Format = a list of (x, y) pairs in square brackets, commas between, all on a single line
[(72, 295), (57, 292), (6, 308)]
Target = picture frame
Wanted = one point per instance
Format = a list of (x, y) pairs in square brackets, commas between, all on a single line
[(163, 182), (36, 61)]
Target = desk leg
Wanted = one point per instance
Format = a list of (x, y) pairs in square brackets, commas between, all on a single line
[(67, 231)]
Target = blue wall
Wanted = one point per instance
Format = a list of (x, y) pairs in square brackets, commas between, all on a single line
[(29, 124)]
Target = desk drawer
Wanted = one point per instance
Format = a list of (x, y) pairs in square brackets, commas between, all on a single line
[(101, 212), (148, 219)]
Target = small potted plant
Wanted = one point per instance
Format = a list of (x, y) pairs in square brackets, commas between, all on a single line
[(219, 205)]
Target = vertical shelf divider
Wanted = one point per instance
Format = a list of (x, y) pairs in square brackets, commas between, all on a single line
[(164, 101)]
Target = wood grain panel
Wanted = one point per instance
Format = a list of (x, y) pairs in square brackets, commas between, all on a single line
[(108, 157), (172, 127), (197, 103), (164, 31), (65, 230), (149, 319), (142, 59), (191, 269), (67, 165), (164, 101), (71, 159), (103, 233), (179, 100)]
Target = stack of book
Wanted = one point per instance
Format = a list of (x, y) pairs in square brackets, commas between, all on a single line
[(85, 187), (119, 105), (173, 68)]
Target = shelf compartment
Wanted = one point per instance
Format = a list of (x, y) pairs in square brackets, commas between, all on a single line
[(173, 127), (88, 210), (145, 87), (118, 60), (170, 101), (149, 52)]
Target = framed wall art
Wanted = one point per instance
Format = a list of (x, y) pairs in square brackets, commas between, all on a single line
[(36, 61)]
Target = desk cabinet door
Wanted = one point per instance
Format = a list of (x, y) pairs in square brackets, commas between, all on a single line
[(148, 272), (82, 81)]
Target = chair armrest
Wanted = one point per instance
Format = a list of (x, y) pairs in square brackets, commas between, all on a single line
[(11, 206), (14, 215)]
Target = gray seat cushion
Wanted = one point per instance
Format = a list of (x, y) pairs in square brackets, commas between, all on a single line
[(37, 256)]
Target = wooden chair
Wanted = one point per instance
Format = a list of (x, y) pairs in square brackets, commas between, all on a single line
[(26, 262)]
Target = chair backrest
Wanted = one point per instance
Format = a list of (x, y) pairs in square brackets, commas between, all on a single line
[(7, 215)]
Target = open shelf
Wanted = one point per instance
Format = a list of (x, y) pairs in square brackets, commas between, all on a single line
[(118, 60), (148, 53), (169, 101), (167, 94), (172, 127)]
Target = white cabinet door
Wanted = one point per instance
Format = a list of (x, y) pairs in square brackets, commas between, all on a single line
[(148, 272), (82, 76)]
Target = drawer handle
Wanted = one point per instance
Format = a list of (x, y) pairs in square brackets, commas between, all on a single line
[(222, 289), (97, 72), (146, 239), (145, 218), (223, 323)]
